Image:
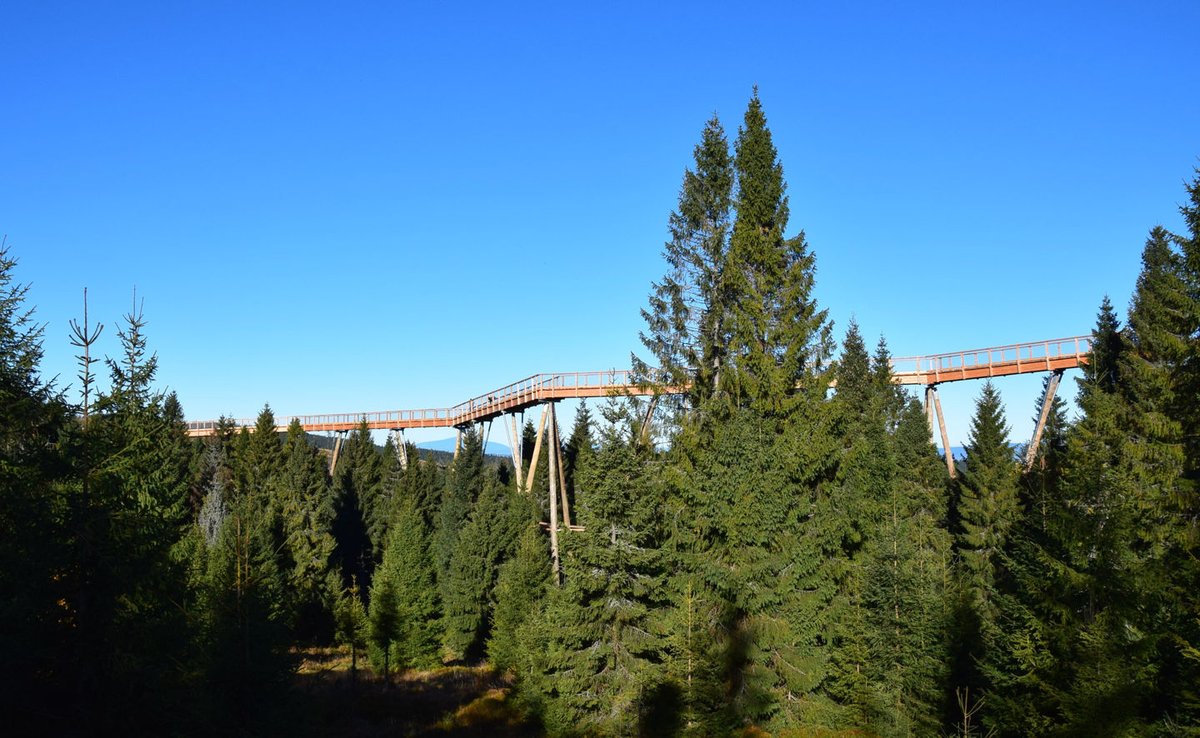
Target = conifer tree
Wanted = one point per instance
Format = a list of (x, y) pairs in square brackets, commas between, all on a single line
[(357, 481), (776, 331), (33, 414), (487, 540), (987, 509), (407, 565), (601, 659), (685, 321), (243, 604), (577, 448), (352, 623), (139, 464), (464, 483), (384, 622), (520, 589), (308, 517)]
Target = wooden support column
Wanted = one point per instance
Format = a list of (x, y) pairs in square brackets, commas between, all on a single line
[(537, 452), (644, 432), (397, 435), (457, 442), (339, 436), (937, 406), (515, 440), (483, 438), (1047, 403), (554, 563), (556, 449), (929, 417)]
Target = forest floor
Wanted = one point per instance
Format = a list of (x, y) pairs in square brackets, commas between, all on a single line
[(455, 701)]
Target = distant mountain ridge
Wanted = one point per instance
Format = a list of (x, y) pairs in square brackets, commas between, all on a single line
[(447, 445)]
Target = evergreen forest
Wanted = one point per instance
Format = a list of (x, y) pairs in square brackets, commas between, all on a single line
[(756, 554)]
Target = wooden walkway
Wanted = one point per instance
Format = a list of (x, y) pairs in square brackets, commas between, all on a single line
[(999, 361)]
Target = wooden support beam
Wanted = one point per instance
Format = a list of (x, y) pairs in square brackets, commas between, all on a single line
[(937, 406), (929, 417), (644, 432), (337, 449), (562, 473), (537, 452), (1047, 403), (457, 442), (401, 447), (554, 563), (484, 438), (515, 440)]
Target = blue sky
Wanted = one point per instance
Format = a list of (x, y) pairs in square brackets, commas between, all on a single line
[(398, 205)]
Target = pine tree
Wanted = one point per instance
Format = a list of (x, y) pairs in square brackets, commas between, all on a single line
[(685, 321), (464, 483), (578, 448), (407, 565), (988, 504), (308, 517), (383, 622), (34, 685), (487, 539), (520, 588), (357, 483), (352, 624), (1155, 379), (600, 662), (987, 509), (243, 604), (138, 464), (777, 333)]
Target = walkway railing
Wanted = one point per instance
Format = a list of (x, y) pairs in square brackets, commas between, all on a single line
[(1019, 358)]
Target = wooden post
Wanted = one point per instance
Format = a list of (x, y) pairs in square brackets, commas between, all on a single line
[(554, 507), (1047, 403), (562, 474), (457, 442), (537, 452), (644, 432), (929, 417), (515, 438), (401, 447), (337, 449), (937, 405)]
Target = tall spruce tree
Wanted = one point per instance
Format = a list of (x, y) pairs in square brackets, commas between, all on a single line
[(685, 321), (600, 671), (308, 517), (776, 331), (987, 508), (520, 589), (139, 469), (36, 639), (357, 483), (486, 540), (409, 568)]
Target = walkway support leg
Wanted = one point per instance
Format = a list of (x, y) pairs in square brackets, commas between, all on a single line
[(515, 440), (401, 447), (554, 563), (929, 417), (537, 452), (457, 442), (1047, 403), (937, 406), (556, 450), (339, 436)]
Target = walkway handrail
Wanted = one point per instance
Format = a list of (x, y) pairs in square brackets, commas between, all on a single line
[(1017, 358)]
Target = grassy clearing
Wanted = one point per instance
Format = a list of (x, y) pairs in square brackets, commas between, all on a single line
[(451, 701)]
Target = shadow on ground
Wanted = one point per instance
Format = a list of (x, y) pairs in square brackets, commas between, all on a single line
[(453, 701)]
